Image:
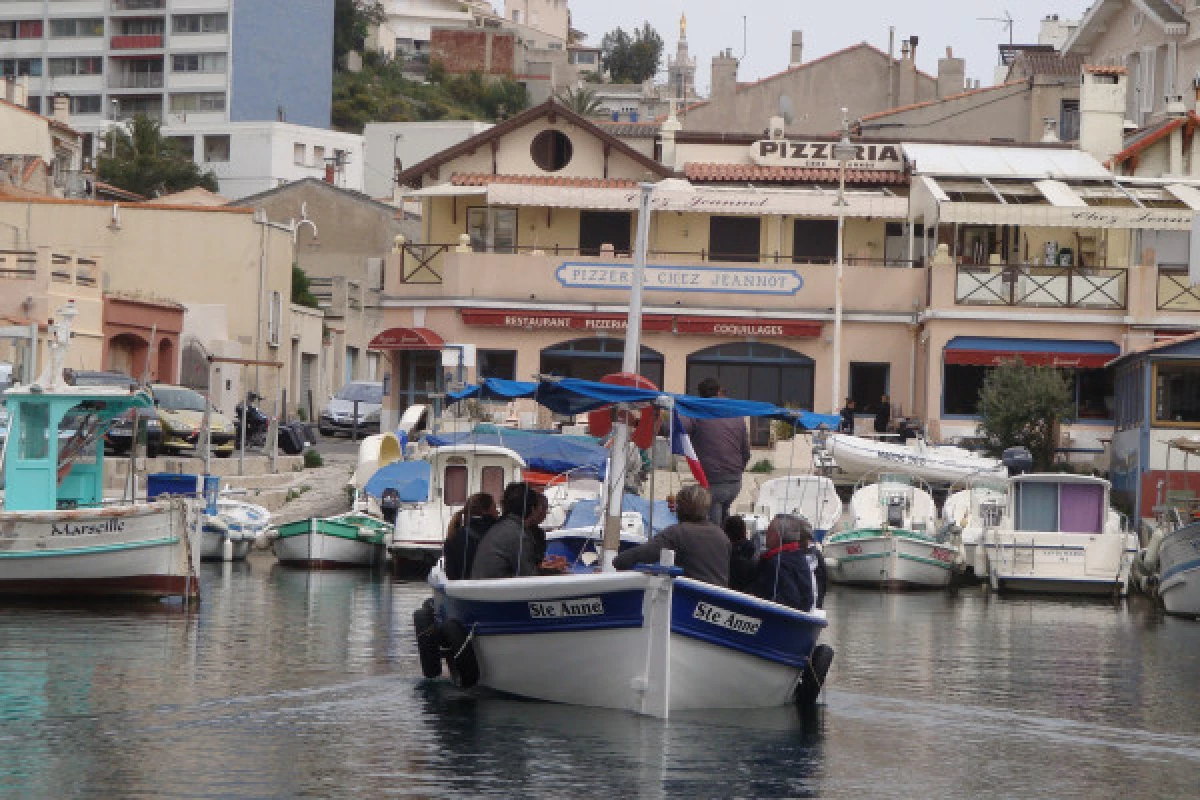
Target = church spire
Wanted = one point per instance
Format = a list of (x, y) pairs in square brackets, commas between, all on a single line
[(683, 25)]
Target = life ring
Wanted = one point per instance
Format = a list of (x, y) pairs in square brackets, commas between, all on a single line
[(814, 676), (600, 422), (429, 640), (460, 655)]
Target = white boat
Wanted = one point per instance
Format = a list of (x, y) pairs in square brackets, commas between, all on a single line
[(1060, 536), (229, 534), (59, 536), (344, 541), (968, 514), (813, 497), (647, 642), (1168, 567), (858, 457), (455, 473), (890, 539)]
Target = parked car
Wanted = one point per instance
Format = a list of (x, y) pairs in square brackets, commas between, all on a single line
[(181, 415), (120, 434), (338, 415)]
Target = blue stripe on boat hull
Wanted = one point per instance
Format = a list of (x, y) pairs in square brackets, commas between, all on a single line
[(621, 610)]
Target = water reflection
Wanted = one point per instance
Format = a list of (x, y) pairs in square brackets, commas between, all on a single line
[(286, 683)]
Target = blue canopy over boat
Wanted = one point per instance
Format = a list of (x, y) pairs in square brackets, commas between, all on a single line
[(410, 479), (574, 396), (544, 452), (586, 513)]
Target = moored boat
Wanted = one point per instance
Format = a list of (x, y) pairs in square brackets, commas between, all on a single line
[(858, 457), (1168, 567), (813, 497), (229, 534), (345, 541), (968, 514)]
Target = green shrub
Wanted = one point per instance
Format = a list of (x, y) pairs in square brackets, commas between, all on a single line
[(312, 459), (763, 465)]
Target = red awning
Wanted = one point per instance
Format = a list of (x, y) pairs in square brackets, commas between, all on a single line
[(992, 358), (407, 339)]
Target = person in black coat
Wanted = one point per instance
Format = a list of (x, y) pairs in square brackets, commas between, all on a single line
[(784, 575), (816, 563), (848, 416), (883, 415), (467, 527), (741, 560)]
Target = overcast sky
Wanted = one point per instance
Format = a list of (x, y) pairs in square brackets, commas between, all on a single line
[(717, 24)]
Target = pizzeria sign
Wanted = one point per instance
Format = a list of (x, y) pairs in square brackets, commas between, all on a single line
[(819, 155), (722, 280)]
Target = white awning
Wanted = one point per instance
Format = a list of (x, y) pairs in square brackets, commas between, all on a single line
[(1059, 194), (1188, 195), (447, 190), (984, 161), (585, 197)]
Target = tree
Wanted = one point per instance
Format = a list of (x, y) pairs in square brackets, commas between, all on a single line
[(1022, 406), (144, 161), (302, 288), (631, 59), (352, 21), (582, 101)]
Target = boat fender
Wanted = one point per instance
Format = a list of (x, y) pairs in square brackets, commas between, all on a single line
[(460, 655), (814, 675), (831, 562), (429, 640), (1150, 554)]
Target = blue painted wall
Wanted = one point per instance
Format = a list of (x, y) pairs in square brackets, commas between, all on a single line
[(282, 56)]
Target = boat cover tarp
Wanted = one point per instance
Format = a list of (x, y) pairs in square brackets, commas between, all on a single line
[(409, 478), (544, 452), (574, 396), (586, 513)]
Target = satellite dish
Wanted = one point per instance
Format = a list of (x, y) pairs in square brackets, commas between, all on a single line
[(786, 109)]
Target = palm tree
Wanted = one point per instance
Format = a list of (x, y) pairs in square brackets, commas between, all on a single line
[(144, 161), (583, 101)]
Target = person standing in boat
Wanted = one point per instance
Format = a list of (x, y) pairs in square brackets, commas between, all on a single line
[(883, 415), (466, 531), (784, 575), (848, 416), (723, 450), (702, 550), (510, 548)]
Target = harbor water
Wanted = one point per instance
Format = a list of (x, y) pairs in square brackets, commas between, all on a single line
[(292, 684)]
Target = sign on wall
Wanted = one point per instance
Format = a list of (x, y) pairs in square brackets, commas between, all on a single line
[(819, 155), (724, 280), (662, 323)]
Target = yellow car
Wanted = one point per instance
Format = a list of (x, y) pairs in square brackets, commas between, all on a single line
[(181, 414)]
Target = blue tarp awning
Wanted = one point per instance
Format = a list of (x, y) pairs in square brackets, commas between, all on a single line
[(409, 478), (586, 513), (544, 452)]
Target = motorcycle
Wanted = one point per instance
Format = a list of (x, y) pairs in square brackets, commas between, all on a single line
[(256, 423)]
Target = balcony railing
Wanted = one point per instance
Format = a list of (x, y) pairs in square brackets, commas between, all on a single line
[(139, 41), (18, 265), (1041, 287), (124, 115), (1175, 293), (135, 80), (138, 5)]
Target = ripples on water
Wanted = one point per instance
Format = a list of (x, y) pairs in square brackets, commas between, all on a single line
[(291, 684)]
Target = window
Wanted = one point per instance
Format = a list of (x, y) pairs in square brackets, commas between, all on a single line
[(90, 65), (185, 145), (299, 154), (1068, 120), (1177, 393), (551, 150), (1066, 507), (21, 29), (201, 23), (20, 67), (34, 103), (351, 364), (216, 148), (961, 384), (733, 238), (756, 371), (492, 230), (500, 364), (814, 241), (318, 156), (592, 359), (1093, 390), (198, 101), (206, 63), (491, 481), (599, 228), (35, 432), (141, 27), (869, 385), (87, 104), (454, 485), (75, 28), (274, 317)]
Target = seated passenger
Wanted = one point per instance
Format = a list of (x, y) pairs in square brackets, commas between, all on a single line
[(702, 550), (466, 530), (816, 563), (742, 561), (512, 547), (783, 573)]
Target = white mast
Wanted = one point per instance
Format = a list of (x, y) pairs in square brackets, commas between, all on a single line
[(618, 455)]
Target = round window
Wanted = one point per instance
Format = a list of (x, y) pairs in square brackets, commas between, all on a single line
[(551, 150)]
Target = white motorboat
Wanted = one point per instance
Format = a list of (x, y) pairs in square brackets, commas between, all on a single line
[(229, 534), (344, 541), (455, 473), (1168, 567), (858, 457), (1060, 536), (59, 536), (813, 497), (890, 539), (968, 514)]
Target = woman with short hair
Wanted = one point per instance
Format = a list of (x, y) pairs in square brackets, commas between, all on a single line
[(702, 550)]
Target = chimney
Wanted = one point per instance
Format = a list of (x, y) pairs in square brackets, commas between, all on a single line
[(1050, 130), (1102, 111), (16, 91), (797, 57), (670, 127), (908, 72), (61, 109), (724, 77), (951, 74)]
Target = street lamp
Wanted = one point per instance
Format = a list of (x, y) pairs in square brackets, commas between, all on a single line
[(843, 151)]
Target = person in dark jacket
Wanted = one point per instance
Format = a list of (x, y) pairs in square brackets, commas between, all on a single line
[(466, 530), (783, 574), (741, 561), (848, 416), (816, 563), (883, 415), (511, 548), (702, 550), (723, 449)]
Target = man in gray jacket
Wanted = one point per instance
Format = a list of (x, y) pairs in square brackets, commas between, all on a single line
[(723, 448)]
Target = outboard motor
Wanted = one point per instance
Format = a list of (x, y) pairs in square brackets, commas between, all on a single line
[(895, 512), (1018, 460), (389, 504)]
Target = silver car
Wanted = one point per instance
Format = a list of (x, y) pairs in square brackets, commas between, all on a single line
[(338, 415)]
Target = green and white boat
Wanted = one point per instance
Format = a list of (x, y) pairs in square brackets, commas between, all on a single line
[(347, 540), (890, 539)]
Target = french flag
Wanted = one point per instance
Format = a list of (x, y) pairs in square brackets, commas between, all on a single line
[(681, 445)]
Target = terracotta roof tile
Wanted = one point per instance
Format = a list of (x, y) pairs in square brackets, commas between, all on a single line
[(1105, 69), (483, 179), (701, 171)]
